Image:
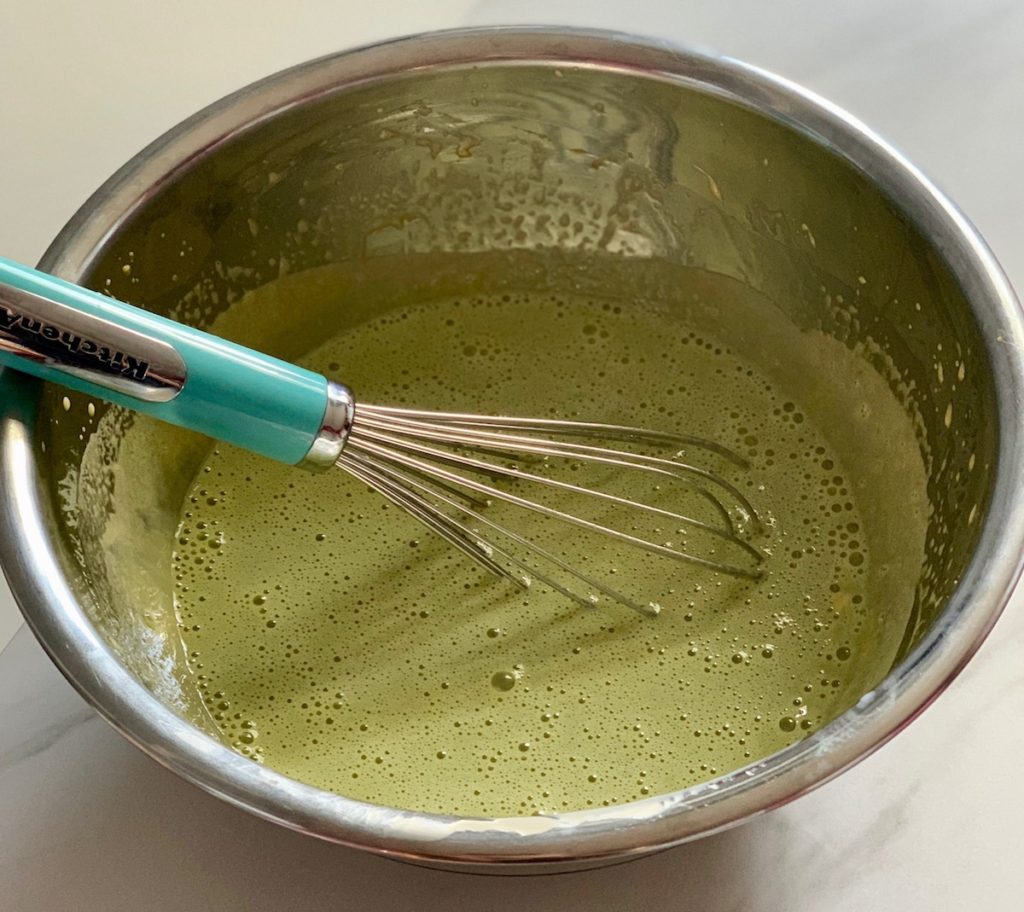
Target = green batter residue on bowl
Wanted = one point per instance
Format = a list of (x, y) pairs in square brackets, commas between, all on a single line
[(337, 641)]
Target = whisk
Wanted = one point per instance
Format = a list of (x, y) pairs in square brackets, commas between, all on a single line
[(444, 468)]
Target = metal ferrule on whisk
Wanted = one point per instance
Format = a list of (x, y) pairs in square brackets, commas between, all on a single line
[(334, 428)]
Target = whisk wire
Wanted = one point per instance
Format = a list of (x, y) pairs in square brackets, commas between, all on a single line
[(555, 426), (385, 446), (436, 521), (445, 468), (384, 473), (504, 442)]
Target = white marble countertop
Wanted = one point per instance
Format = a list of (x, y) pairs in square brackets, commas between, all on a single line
[(932, 822)]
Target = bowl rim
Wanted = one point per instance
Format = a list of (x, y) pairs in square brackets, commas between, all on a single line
[(40, 588)]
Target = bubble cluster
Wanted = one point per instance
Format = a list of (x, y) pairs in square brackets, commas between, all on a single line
[(333, 638)]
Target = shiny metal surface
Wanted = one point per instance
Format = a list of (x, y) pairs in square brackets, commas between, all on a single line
[(330, 440), (82, 345), (437, 465), (783, 163)]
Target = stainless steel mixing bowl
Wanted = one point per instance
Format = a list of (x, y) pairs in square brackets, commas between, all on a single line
[(517, 139)]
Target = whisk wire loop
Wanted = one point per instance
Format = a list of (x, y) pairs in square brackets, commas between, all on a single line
[(432, 464)]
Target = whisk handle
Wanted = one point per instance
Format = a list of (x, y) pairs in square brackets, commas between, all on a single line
[(102, 347)]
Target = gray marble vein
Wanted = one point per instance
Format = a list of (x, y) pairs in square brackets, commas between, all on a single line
[(926, 823)]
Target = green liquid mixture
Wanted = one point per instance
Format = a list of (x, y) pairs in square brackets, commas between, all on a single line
[(336, 640)]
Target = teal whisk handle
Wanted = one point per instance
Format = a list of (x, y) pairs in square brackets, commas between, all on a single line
[(97, 345)]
